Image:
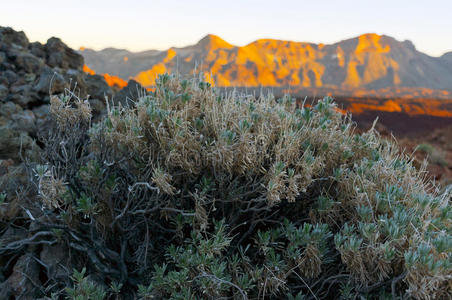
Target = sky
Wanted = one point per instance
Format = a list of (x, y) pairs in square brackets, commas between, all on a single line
[(143, 25)]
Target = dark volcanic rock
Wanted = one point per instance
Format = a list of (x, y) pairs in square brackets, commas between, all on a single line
[(13, 51), (41, 114), (75, 80), (12, 142), (97, 87), (23, 95), (10, 76), (129, 94), (10, 37), (7, 110), (2, 57), (29, 63), (3, 92), (49, 82), (29, 74), (38, 50), (60, 55), (24, 121), (16, 127), (22, 284)]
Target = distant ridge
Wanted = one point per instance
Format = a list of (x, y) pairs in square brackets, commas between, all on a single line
[(369, 61)]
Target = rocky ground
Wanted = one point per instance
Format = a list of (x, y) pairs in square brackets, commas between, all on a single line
[(29, 74)]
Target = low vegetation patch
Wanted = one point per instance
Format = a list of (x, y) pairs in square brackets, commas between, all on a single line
[(434, 155), (193, 194)]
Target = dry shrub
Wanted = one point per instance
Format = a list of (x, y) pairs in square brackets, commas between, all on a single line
[(193, 193)]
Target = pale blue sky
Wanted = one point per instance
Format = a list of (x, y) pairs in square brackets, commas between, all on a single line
[(140, 25)]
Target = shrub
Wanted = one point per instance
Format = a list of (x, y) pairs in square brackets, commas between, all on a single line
[(84, 289), (425, 148), (195, 194), (2, 198), (435, 156)]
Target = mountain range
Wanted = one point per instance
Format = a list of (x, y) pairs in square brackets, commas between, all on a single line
[(369, 62)]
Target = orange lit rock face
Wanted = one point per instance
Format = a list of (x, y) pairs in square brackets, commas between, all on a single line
[(411, 107), (87, 69), (147, 78), (278, 63), (111, 80), (262, 63), (115, 81), (366, 62)]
